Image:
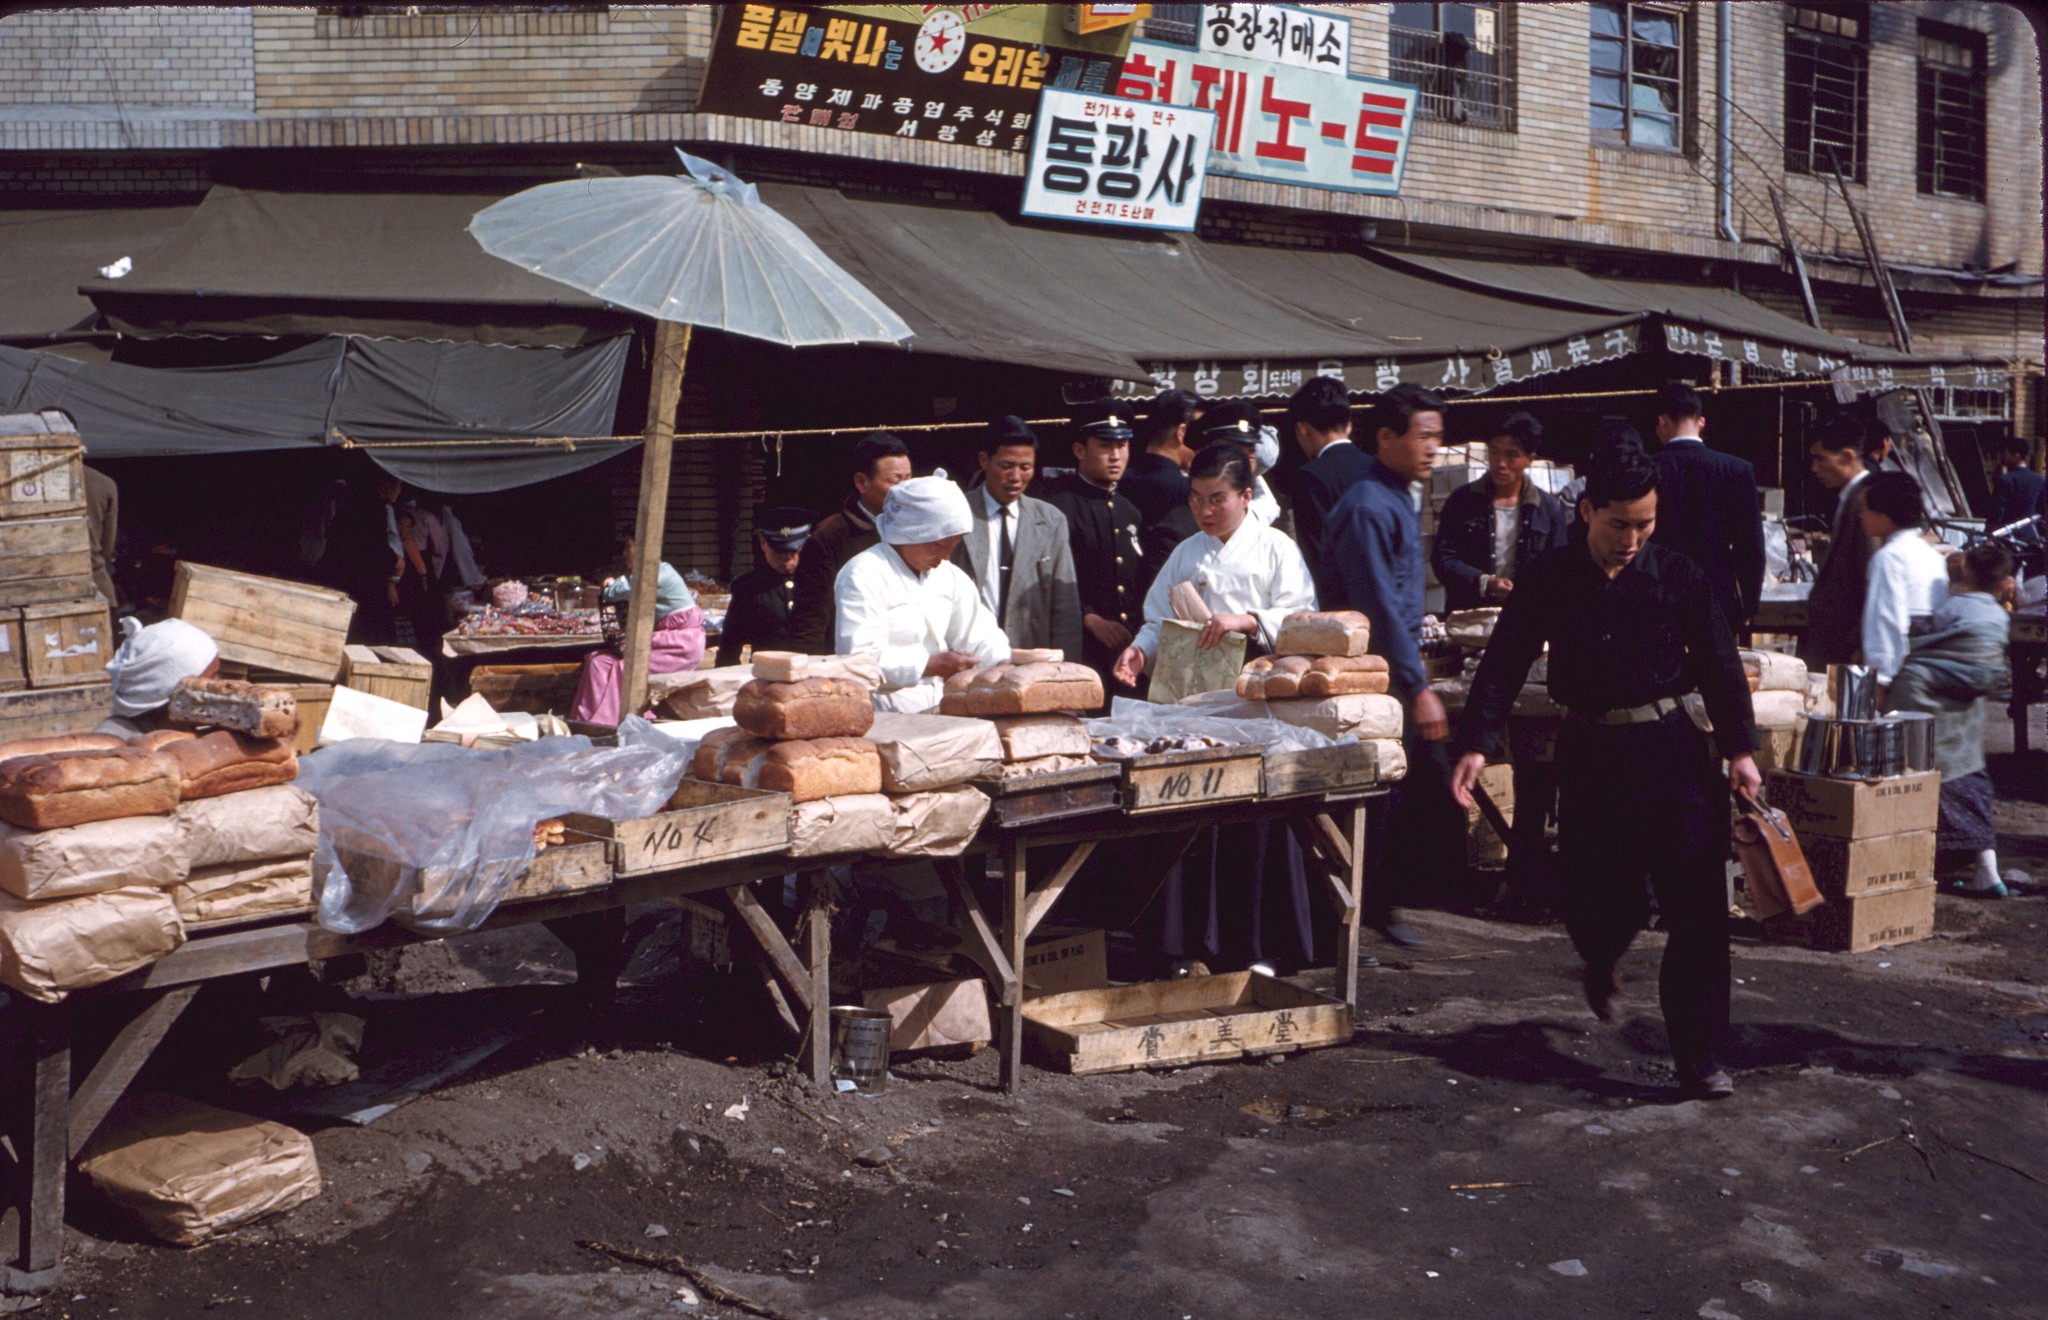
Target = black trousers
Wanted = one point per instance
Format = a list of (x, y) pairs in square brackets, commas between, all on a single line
[(1639, 802), (1422, 847)]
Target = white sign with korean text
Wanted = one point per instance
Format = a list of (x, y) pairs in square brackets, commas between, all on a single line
[(1278, 34), (1280, 123), (1115, 162)]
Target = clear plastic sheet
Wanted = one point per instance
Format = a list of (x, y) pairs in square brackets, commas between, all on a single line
[(432, 835), (1131, 718)]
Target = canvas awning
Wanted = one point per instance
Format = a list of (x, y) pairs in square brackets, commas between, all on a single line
[(50, 252)]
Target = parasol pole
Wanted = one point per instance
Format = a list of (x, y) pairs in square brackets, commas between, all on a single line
[(665, 390)]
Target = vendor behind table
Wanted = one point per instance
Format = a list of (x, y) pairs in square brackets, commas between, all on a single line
[(676, 646), (880, 461), (148, 667), (761, 597)]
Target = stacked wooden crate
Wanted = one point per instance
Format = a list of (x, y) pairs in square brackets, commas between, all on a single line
[(1870, 845), (55, 632), (290, 634)]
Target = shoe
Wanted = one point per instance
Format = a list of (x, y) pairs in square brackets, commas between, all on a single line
[(1263, 968), (1996, 889), (1716, 1085), (1399, 934), (1602, 988)]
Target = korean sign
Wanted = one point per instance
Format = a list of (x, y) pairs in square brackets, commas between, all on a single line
[(1850, 379), (1117, 162), (935, 81), (1281, 123), (1278, 34)]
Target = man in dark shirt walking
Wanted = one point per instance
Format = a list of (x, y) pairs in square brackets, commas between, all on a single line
[(1157, 480), (1632, 630), (1708, 508)]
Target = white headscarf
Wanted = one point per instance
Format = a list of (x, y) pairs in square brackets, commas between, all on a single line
[(153, 660), (924, 509)]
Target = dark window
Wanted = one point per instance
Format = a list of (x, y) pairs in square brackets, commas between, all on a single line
[(1951, 111), (1175, 25), (1638, 75), (1827, 79), (1456, 54)]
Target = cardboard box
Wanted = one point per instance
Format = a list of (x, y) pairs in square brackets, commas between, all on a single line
[(1065, 958), (1855, 808), (1844, 868), (1873, 919), (925, 1017)]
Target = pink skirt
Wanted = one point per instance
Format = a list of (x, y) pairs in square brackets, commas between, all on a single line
[(678, 646)]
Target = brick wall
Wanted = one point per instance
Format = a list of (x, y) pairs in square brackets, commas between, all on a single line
[(129, 57)]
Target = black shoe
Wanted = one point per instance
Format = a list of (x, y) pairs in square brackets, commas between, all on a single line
[(1602, 988), (1716, 1085), (1399, 934)]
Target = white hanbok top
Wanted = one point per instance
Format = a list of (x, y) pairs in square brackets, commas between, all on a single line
[(1258, 571), (1908, 580), (903, 620)]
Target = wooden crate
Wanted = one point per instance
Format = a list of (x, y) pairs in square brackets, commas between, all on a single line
[(66, 644), (535, 689), (1175, 781), (313, 698), (396, 672), (268, 623), (702, 823), (1084, 790), (1320, 770), (560, 870), (44, 559), (1169, 1024), (13, 667), (44, 712), (42, 465)]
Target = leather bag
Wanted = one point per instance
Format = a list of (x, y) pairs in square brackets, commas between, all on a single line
[(1772, 861)]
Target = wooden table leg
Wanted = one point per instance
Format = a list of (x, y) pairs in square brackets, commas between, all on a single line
[(1347, 953), (594, 937), (109, 1078), (817, 900), (41, 1265), (1010, 1020)]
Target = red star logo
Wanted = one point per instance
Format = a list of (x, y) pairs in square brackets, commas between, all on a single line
[(940, 39)]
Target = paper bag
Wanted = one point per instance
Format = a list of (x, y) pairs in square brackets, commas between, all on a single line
[(245, 891), (853, 823), (185, 1171), (91, 859), (1182, 668), (938, 824), (1776, 671), (235, 828), (1390, 756), (924, 752), (1471, 630), (1778, 708), (47, 950), (925, 1017)]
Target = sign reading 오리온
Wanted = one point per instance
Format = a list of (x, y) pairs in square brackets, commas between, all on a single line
[(1112, 162)]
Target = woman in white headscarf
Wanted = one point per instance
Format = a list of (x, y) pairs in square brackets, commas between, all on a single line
[(151, 663), (902, 602)]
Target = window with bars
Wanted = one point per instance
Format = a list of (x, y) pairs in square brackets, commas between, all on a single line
[(1827, 81), (1175, 25), (1456, 54), (1951, 112), (1638, 75)]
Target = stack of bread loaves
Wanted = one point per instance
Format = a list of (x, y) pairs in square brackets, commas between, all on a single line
[(1319, 677), (109, 848), (1035, 702)]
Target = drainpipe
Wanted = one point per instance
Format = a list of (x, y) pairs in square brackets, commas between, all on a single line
[(1724, 121)]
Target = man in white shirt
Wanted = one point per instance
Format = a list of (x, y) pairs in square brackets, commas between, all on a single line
[(902, 602), (1908, 577), (1019, 550)]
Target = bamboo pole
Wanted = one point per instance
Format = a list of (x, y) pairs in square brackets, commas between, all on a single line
[(664, 392)]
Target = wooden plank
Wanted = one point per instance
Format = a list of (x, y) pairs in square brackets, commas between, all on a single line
[(26, 541), (1330, 868), (1175, 1023), (985, 948), (1335, 837), (1352, 914), (124, 1058), (42, 712), (1178, 781), (1039, 901), (1081, 791), (817, 892), (41, 475), (703, 822), (396, 673), (1320, 769), (13, 668), (1016, 927), (768, 939), (534, 689), (67, 584), (42, 1245), (66, 643)]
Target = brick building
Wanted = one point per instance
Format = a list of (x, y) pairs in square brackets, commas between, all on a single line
[(1585, 137)]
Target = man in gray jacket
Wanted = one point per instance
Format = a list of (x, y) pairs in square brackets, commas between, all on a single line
[(1017, 552)]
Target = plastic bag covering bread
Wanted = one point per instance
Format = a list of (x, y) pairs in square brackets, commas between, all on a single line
[(924, 752), (1219, 715), (245, 891), (937, 824), (185, 1171), (90, 859), (1777, 709), (464, 817), (857, 823), (1363, 717), (255, 826), (47, 950), (1775, 672)]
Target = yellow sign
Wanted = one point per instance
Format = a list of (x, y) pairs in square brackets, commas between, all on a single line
[(1086, 19)]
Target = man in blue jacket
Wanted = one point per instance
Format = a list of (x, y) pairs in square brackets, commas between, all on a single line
[(1707, 507)]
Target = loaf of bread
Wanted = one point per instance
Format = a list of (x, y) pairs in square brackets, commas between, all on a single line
[(63, 742), (718, 747), (77, 788), (152, 742), (224, 703), (1031, 689), (1278, 678), (1034, 737), (807, 708), (815, 768), (1339, 632), (228, 762)]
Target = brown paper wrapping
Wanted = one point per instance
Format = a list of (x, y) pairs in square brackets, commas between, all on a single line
[(858, 822), (709, 693), (185, 1171), (936, 824), (924, 752), (245, 891), (260, 825), (1044, 765), (924, 1017), (1471, 629), (1392, 762), (136, 851), (48, 950), (1778, 708), (1776, 671)]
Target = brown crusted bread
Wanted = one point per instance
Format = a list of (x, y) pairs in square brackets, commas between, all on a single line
[(807, 708), (63, 742), (709, 763), (817, 768), (251, 708), (154, 742), (1345, 676), (1034, 737), (1334, 632), (77, 788), (1037, 688), (739, 759), (1272, 678), (228, 762)]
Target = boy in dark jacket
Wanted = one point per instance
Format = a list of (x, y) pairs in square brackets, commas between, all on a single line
[(1494, 527)]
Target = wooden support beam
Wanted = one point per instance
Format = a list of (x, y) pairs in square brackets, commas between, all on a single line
[(1039, 901), (984, 948), (767, 937), (817, 890), (1347, 957), (664, 392), (42, 1219), (1016, 887), (124, 1058), (1335, 837)]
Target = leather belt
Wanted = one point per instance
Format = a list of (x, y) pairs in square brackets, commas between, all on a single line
[(1648, 714)]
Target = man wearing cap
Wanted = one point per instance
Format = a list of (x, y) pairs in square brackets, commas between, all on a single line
[(1016, 552), (903, 601), (761, 597), (1106, 527), (880, 460)]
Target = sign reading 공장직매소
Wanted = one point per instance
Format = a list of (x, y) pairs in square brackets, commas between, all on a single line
[(1112, 162), (1279, 34), (968, 75)]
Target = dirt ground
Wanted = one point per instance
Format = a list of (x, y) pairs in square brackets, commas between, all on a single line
[(1482, 1142)]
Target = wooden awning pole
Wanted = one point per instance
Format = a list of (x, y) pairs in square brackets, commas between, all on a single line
[(664, 392)]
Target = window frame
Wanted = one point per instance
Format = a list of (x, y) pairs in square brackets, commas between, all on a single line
[(1814, 34), (1475, 97), (1967, 80), (1682, 82)]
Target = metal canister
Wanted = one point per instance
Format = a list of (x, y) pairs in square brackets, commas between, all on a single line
[(1916, 729), (1891, 748), (1812, 756)]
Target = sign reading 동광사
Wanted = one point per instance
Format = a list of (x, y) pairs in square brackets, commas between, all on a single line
[(1281, 123), (1279, 34), (1112, 162), (851, 69)]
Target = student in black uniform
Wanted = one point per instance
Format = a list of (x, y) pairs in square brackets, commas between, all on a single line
[(759, 614), (1157, 481), (1105, 528), (1633, 627)]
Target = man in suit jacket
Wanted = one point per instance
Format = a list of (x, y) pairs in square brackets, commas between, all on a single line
[(1834, 608), (1319, 415), (880, 462), (1707, 507), (1017, 550)]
